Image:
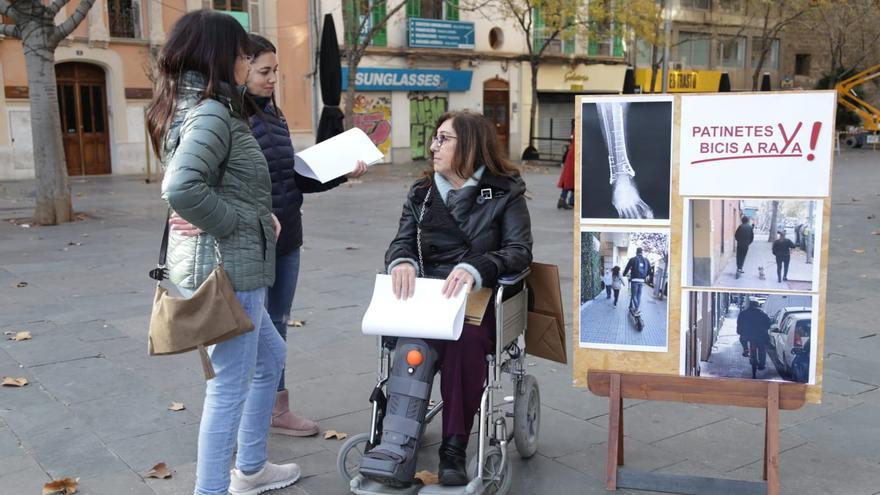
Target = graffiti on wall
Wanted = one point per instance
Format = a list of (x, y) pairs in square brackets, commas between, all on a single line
[(423, 114), (372, 114)]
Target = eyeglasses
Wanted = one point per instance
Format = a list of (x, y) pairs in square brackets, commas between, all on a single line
[(440, 139)]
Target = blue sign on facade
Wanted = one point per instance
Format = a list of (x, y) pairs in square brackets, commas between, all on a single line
[(377, 79), (432, 33)]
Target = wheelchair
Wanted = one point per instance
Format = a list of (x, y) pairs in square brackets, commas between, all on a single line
[(489, 470)]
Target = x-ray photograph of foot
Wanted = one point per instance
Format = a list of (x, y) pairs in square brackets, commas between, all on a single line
[(626, 159)]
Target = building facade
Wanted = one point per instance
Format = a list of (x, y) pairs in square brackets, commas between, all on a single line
[(708, 38), (105, 71), (458, 59)]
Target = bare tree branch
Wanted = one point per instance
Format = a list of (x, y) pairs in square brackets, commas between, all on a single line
[(10, 30), (56, 6), (68, 26), (379, 25)]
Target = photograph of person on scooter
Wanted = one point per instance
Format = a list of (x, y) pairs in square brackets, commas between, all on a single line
[(638, 260)]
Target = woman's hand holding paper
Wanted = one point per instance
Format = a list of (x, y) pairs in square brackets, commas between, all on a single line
[(457, 279), (359, 170), (403, 280)]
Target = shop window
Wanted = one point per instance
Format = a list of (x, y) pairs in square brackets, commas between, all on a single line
[(123, 17), (802, 64), (693, 49), (731, 51), (731, 5), (246, 12), (771, 61), (231, 5)]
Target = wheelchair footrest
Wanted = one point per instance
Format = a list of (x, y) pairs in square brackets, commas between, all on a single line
[(362, 486)]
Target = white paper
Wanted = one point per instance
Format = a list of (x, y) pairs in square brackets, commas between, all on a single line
[(337, 156), (427, 315)]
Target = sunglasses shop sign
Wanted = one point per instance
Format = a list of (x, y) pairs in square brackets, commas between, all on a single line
[(776, 144)]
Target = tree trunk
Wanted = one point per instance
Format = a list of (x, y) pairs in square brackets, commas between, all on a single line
[(50, 168), (653, 69), (353, 62), (534, 108), (774, 212)]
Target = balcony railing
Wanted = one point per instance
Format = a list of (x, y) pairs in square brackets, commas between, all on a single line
[(123, 23)]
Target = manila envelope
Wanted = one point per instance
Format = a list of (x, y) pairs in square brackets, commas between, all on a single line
[(545, 334), (477, 302)]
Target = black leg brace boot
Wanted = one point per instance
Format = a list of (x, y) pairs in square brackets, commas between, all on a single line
[(453, 459), (393, 461)]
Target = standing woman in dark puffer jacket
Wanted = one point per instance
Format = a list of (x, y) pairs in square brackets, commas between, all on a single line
[(270, 129), (218, 185)]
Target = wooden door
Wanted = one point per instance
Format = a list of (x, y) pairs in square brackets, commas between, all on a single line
[(496, 105), (82, 103)]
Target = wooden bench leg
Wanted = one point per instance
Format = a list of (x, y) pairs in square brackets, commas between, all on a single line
[(615, 433), (771, 433)]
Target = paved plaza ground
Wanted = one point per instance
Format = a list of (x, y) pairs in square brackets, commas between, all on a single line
[(603, 323), (800, 273), (96, 406)]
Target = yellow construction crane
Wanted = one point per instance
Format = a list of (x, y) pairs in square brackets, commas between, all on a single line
[(869, 114)]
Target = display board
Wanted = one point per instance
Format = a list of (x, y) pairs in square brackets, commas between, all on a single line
[(708, 214)]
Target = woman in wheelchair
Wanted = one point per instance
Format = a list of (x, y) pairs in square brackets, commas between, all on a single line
[(466, 221)]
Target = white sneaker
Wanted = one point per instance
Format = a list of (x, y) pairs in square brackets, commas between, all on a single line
[(271, 477)]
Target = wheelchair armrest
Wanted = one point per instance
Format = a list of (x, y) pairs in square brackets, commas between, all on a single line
[(513, 278)]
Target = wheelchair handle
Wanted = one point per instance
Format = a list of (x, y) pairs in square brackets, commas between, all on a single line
[(514, 278)]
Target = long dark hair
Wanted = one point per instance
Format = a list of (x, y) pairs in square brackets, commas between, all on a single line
[(476, 144), (258, 45), (202, 41)]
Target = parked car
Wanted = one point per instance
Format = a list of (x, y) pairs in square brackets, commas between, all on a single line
[(783, 313), (791, 338)]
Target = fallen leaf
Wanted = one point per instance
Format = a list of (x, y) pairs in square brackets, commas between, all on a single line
[(9, 381), (858, 251), (335, 434), (872, 216), (427, 478), (854, 200), (176, 406), (18, 336), (159, 471), (65, 486), (350, 248), (25, 226), (296, 323), (74, 244), (20, 285)]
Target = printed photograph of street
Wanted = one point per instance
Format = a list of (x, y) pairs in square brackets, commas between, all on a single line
[(754, 244), (624, 289), (761, 336)]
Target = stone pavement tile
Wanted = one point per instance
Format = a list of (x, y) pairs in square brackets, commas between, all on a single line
[(638, 455), (749, 415), (123, 482), (558, 393), (862, 369), (809, 469), (351, 423), (160, 372), (562, 434), (339, 394), (851, 432), (134, 325), (283, 448), (50, 347), (308, 364), (9, 445), (23, 398), (831, 405), (131, 415), (728, 444), (24, 481), (323, 484), (18, 461), (836, 382), (192, 396), (697, 467), (181, 482), (650, 422), (314, 464), (70, 449), (87, 379), (175, 446), (542, 475)]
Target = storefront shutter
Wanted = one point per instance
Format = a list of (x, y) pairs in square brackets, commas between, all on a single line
[(452, 10), (413, 8), (381, 38)]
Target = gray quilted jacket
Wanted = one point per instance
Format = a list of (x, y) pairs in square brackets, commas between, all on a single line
[(236, 212)]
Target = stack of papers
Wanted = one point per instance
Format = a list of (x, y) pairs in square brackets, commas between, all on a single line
[(337, 156)]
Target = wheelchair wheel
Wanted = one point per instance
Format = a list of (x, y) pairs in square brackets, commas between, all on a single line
[(527, 416), (496, 475), (349, 458)]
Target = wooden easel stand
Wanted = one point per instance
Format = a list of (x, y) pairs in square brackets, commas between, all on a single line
[(771, 396)]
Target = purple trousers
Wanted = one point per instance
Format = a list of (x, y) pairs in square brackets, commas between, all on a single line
[(462, 366)]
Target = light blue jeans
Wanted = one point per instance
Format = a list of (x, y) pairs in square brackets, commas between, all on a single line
[(239, 400)]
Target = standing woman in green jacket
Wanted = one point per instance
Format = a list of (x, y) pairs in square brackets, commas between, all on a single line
[(216, 179)]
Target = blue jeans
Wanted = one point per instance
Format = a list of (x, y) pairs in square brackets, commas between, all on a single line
[(239, 400), (635, 294), (280, 297)]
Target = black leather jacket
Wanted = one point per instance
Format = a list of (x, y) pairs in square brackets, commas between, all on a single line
[(488, 227)]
